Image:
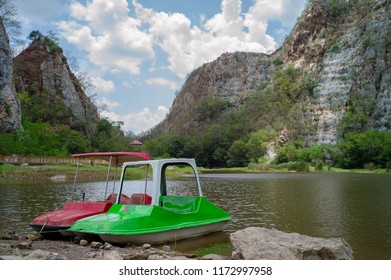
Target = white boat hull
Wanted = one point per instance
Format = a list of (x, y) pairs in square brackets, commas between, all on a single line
[(164, 236)]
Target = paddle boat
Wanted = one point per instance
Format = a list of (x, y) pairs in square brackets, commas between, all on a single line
[(168, 210), (57, 222)]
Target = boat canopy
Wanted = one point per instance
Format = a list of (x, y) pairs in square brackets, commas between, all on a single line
[(158, 185), (116, 158)]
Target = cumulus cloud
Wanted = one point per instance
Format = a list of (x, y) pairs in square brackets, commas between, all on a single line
[(102, 85), (112, 39), (189, 46), (162, 82), (138, 122), (116, 41)]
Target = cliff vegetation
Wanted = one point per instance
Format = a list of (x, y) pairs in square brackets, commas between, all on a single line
[(323, 98)]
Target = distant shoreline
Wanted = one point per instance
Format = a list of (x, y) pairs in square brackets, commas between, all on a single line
[(65, 173)]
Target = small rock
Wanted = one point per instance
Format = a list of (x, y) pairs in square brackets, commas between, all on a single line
[(32, 237), (180, 258), (212, 257), (107, 246), (83, 242), (136, 256), (95, 255), (24, 245), (10, 258), (43, 255), (155, 257), (96, 245), (112, 255), (166, 248), (147, 246)]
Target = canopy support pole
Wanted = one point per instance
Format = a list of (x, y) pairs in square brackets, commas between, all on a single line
[(74, 180), (108, 175)]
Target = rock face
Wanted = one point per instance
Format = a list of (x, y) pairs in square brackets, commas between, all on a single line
[(232, 76), (270, 244), (10, 117), (42, 71), (346, 51)]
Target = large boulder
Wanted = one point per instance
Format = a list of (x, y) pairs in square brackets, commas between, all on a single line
[(270, 244)]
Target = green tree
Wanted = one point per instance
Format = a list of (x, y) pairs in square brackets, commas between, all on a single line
[(258, 142), (362, 148), (238, 154)]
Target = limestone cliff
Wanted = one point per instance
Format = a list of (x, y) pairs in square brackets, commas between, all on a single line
[(344, 46), (43, 73), (10, 118)]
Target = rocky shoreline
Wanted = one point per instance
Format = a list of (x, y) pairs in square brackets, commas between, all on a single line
[(32, 247), (248, 244)]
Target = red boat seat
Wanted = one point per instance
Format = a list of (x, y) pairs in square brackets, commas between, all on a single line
[(113, 197), (140, 198)]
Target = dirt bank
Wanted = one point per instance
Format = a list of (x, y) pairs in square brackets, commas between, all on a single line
[(27, 247)]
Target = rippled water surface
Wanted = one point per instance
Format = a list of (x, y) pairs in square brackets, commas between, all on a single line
[(356, 207)]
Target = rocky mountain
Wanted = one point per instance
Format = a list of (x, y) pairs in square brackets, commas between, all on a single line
[(50, 91), (336, 64), (10, 118)]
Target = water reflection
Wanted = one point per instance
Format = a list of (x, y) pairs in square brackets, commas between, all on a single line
[(356, 207)]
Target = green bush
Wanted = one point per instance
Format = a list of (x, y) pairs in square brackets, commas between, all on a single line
[(298, 166), (388, 167)]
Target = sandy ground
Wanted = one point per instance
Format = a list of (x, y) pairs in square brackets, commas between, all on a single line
[(30, 247)]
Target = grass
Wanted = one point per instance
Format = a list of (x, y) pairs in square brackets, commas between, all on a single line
[(45, 173), (42, 173)]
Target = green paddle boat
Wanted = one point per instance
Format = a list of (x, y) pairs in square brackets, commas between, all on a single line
[(165, 209)]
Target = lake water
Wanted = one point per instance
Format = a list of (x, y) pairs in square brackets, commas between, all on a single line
[(356, 207)]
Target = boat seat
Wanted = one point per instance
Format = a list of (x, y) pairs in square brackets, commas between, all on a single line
[(179, 204), (140, 199), (113, 197)]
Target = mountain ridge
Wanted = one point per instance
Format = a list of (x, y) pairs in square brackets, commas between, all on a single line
[(341, 49)]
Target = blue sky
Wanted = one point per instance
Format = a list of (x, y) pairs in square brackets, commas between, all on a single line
[(139, 52)]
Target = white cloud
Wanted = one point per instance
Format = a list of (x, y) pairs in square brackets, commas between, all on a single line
[(112, 39), (117, 41), (162, 82), (189, 46), (106, 105), (139, 121), (102, 85)]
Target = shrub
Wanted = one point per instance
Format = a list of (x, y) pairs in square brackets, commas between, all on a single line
[(388, 167), (298, 166)]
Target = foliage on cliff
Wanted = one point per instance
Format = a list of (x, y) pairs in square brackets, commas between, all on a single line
[(58, 118), (325, 90)]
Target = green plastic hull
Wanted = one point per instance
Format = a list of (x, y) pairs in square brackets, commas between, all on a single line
[(176, 217)]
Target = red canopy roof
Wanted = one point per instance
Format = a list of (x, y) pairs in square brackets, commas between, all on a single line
[(118, 158), (136, 142)]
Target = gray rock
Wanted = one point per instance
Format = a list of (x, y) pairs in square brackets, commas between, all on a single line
[(96, 245), (112, 255), (166, 248), (107, 246), (24, 245), (147, 246), (270, 244), (212, 257), (156, 257), (136, 256), (43, 255), (83, 242)]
